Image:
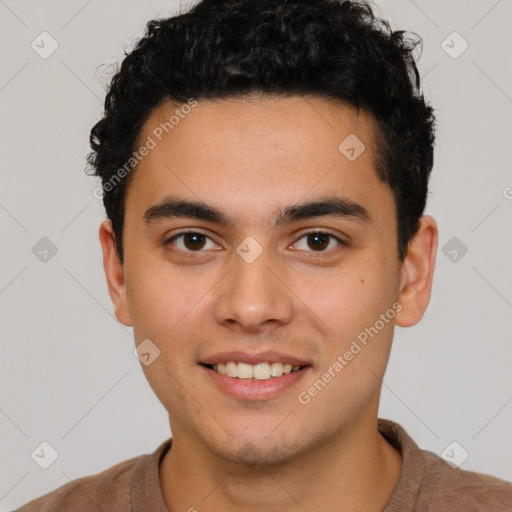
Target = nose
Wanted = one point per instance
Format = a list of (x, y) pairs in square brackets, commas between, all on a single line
[(254, 296)]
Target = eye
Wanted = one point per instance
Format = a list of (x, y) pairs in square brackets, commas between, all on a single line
[(319, 241), (191, 241), (195, 241)]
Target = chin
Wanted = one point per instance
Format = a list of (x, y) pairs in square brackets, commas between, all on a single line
[(258, 451)]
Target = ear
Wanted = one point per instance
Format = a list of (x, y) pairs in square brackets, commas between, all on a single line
[(417, 273), (114, 273)]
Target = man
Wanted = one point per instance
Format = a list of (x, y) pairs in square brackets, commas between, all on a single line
[(264, 168)]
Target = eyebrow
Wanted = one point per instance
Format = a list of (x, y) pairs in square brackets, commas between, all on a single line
[(173, 207)]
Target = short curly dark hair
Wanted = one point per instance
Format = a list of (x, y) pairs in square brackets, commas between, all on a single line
[(332, 49)]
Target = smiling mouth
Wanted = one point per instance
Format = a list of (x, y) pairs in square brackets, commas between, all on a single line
[(260, 371)]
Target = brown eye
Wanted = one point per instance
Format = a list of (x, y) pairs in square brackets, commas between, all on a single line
[(318, 241), (190, 241), (194, 241)]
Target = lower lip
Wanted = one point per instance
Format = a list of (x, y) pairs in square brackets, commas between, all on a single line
[(246, 389)]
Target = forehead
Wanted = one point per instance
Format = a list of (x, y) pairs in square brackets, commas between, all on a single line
[(295, 124), (258, 152)]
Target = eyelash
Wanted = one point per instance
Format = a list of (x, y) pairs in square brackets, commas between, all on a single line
[(169, 241)]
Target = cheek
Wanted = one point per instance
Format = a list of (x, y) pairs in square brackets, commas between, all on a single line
[(163, 299), (172, 385), (347, 301)]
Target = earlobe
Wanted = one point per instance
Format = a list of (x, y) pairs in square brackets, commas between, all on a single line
[(114, 273), (417, 273)]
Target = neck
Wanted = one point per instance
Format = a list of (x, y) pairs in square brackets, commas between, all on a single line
[(356, 471)]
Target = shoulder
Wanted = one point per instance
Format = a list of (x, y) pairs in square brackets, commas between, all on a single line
[(429, 483), (452, 487), (101, 491)]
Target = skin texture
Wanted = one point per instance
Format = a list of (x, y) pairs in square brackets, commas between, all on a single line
[(251, 157)]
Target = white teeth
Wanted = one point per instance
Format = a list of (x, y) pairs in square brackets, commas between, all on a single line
[(231, 369), (244, 371), (261, 371), (276, 369)]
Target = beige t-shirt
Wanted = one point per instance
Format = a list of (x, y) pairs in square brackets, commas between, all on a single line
[(427, 484)]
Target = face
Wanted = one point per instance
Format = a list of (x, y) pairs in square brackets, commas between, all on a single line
[(257, 268)]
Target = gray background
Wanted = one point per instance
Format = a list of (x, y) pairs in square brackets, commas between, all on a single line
[(68, 375)]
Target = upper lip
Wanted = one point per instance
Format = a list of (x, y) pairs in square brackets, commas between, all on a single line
[(260, 357)]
